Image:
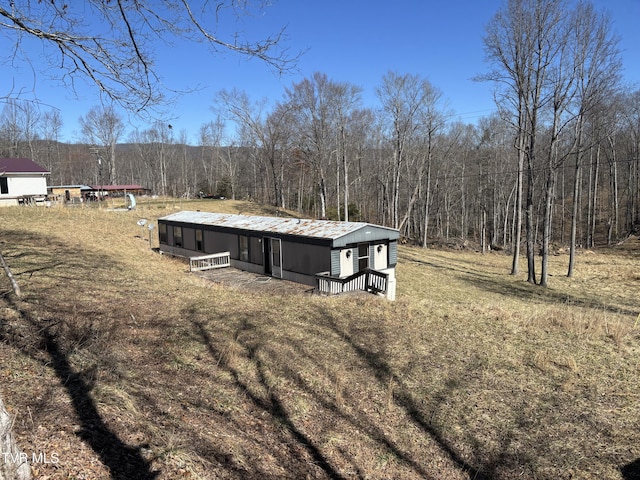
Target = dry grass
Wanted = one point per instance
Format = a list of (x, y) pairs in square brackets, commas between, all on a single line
[(122, 364)]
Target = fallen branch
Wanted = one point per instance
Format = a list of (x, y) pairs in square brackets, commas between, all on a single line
[(14, 284)]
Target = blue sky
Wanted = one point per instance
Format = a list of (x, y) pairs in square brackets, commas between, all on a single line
[(354, 41)]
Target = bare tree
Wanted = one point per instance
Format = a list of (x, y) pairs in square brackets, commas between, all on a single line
[(50, 127), (408, 103), (210, 140), (347, 102), (268, 131), (103, 127), (19, 123), (115, 51), (314, 104), (597, 66)]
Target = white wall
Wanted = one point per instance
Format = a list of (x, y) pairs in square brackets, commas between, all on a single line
[(25, 185)]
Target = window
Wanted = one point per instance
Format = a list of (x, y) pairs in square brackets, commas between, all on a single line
[(177, 236), (162, 232), (199, 241), (4, 185), (363, 256), (244, 248)]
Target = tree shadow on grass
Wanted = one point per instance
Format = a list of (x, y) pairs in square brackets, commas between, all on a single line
[(383, 373), (508, 286), (288, 362), (631, 471), (272, 404), (122, 460), (39, 340)]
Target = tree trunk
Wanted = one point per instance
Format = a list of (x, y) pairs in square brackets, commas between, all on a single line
[(426, 207), (517, 209), (531, 260), (323, 198), (14, 284), (546, 228), (574, 215), (14, 464)]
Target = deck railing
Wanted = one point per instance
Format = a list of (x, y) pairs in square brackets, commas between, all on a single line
[(209, 262), (367, 280)]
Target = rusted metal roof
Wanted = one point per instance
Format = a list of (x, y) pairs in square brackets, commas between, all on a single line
[(286, 226)]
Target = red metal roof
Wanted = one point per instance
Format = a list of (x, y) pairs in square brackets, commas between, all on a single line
[(117, 187), (20, 165)]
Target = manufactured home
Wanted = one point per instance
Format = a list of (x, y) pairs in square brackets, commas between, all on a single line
[(22, 181), (332, 256)]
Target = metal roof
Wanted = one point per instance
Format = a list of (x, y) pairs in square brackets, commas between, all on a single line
[(20, 165), (81, 187), (327, 229), (117, 187)]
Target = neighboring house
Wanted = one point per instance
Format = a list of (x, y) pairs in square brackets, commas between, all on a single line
[(69, 193), (22, 181), (333, 256)]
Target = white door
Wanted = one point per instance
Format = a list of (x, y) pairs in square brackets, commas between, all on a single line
[(346, 262), (380, 257), (275, 257)]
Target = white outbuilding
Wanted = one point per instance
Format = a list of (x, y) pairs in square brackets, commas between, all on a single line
[(22, 181)]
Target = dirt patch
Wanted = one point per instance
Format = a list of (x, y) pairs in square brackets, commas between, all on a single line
[(247, 281)]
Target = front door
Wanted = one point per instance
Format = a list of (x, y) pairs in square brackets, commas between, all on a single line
[(275, 257), (346, 262)]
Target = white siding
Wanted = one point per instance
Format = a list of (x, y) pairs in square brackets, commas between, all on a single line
[(25, 185)]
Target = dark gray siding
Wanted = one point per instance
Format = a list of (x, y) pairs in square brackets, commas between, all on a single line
[(216, 242), (302, 256), (189, 238), (256, 254), (305, 258)]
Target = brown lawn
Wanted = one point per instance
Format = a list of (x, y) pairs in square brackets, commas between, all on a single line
[(118, 363)]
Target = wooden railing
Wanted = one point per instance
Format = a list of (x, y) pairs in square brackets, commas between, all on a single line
[(209, 262), (367, 280)]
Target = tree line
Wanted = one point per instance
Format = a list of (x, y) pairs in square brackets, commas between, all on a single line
[(557, 165)]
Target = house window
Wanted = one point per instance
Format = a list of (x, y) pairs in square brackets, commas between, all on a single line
[(244, 248), (363, 256), (177, 236), (4, 185), (162, 232), (199, 241)]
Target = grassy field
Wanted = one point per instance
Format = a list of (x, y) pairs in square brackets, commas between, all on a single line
[(118, 363)]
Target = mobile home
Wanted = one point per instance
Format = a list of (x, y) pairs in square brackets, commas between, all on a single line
[(326, 254)]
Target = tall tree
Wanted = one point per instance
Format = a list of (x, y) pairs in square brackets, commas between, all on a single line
[(404, 100), (347, 103), (103, 127), (269, 131), (597, 65), (19, 125), (315, 103), (539, 55), (50, 128)]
